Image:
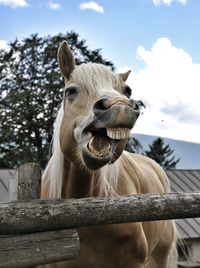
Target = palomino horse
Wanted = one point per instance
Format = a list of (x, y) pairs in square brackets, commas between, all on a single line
[(91, 130)]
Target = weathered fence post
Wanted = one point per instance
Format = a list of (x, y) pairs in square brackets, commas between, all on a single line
[(26, 183), (29, 250)]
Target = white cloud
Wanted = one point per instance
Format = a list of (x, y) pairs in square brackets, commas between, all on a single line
[(169, 84), (168, 2), (14, 3), (92, 6), (4, 45), (54, 6)]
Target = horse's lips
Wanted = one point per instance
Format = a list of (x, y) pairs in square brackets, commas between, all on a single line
[(101, 143), (97, 148)]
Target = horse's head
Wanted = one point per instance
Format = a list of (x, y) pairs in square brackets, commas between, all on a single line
[(98, 112)]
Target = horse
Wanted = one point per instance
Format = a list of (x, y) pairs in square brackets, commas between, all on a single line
[(88, 160)]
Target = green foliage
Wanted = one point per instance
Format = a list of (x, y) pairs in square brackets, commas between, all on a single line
[(134, 146), (31, 89), (162, 154)]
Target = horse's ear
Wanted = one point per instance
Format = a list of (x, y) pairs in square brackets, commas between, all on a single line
[(125, 75), (66, 59)]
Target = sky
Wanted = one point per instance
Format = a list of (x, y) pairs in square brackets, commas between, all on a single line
[(159, 40)]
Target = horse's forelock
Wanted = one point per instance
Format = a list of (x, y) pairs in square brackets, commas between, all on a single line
[(93, 77)]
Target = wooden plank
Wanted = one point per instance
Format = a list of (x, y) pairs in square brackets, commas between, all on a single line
[(38, 248), (44, 215)]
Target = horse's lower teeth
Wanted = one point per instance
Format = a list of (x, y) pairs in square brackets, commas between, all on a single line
[(99, 154)]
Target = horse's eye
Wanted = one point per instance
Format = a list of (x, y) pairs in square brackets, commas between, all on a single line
[(71, 91), (127, 91)]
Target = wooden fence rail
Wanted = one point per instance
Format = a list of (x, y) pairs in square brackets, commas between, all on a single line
[(54, 214), (37, 228), (29, 250)]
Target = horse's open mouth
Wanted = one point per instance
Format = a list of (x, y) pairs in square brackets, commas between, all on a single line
[(101, 140)]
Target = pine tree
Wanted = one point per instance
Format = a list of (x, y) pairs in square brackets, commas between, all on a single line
[(31, 87), (162, 154)]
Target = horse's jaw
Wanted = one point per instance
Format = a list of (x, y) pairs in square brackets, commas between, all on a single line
[(101, 137), (101, 146)]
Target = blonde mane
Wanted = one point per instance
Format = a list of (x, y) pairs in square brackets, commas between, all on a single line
[(56, 162)]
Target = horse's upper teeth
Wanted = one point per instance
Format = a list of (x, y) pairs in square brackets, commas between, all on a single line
[(118, 133)]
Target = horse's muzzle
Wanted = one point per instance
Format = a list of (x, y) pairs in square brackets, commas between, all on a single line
[(103, 136), (115, 113)]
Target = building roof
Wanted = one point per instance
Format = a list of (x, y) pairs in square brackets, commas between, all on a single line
[(180, 180), (186, 181)]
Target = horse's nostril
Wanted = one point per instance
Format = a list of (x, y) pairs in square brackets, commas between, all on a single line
[(100, 104)]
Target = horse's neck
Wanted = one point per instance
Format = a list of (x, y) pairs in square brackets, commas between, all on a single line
[(77, 181)]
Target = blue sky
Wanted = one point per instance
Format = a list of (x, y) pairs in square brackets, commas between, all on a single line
[(122, 27), (158, 39)]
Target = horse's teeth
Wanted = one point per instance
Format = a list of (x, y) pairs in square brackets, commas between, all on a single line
[(118, 133)]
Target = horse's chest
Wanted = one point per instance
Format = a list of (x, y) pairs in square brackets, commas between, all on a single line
[(112, 246)]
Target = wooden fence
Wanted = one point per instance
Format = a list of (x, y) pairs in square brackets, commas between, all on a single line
[(43, 231)]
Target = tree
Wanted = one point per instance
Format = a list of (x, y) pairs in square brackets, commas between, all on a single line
[(162, 154), (31, 88), (134, 146)]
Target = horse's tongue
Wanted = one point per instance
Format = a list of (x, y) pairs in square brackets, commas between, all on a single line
[(99, 146)]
